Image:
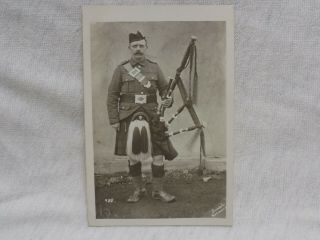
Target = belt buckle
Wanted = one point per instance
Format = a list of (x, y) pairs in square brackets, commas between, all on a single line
[(140, 98)]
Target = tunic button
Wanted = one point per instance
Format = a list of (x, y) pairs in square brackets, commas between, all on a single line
[(141, 92)]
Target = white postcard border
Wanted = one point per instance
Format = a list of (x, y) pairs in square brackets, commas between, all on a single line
[(92, 14)]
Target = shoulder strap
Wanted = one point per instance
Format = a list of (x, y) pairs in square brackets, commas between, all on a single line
[(124, 62), (151, 61)]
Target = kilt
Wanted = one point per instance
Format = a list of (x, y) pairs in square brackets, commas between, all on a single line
[(121, 139)]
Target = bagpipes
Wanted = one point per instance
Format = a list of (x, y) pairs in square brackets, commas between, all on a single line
[(190, 58)]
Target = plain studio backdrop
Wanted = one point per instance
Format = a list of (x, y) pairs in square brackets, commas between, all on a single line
[(167, 42)]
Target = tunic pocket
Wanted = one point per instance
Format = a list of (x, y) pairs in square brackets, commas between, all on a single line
[(151, 76), (127, 83), (153, 79)]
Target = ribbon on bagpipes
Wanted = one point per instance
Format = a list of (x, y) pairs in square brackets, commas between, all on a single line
[(193, 74)]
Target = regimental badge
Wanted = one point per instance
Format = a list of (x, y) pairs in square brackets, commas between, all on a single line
[(136, 73)]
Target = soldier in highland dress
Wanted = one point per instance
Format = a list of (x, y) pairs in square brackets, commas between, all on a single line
[(132, 108)]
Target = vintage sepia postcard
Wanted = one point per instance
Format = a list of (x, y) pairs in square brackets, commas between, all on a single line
[(158, 84)]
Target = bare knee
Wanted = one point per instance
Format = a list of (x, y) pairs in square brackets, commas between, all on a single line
[(133, 162), (158, 160)]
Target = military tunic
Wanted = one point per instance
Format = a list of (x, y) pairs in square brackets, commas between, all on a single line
[(123, 84)]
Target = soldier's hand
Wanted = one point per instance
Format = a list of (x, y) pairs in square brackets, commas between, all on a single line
[(167, 102), (116, 126)]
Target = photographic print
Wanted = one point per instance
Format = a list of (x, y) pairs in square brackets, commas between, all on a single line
[(158, 114)]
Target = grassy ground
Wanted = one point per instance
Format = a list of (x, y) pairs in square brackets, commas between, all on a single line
[(194, 197)]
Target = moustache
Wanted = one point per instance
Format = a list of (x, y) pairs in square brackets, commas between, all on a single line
[(138, 53)]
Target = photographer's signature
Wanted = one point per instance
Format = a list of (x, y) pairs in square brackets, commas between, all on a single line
[(217, 210)]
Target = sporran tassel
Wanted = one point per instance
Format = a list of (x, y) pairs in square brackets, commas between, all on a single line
[(139, 141)]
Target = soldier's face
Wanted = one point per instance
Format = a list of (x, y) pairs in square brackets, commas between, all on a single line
[(138, 49)]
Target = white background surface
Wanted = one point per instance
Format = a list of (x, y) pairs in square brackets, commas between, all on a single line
[(277, 124)]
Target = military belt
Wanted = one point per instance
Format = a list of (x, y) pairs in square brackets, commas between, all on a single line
[(138, 98)]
